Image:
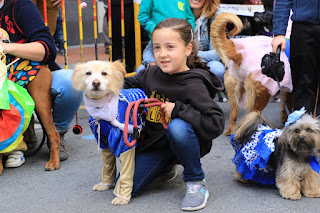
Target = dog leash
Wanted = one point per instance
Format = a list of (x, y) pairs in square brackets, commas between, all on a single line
[(138, 106)]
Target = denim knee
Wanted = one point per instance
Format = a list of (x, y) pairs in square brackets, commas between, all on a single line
[(185, 145), (217, 68), (66, 99), (178, 131)]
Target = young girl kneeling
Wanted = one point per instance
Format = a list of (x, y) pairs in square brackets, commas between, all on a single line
[(187, 88)]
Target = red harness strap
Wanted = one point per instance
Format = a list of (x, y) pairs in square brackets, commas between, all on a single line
[(138, 106)]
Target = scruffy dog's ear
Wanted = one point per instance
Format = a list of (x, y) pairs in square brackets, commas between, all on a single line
[(120, 67), (318, 125), (284, 139)]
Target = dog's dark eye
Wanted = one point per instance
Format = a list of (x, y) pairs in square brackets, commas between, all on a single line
[(297, 130), (309, 130), (104, 73), (88, 73)]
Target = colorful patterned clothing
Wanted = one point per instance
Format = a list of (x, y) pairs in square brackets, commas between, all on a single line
[(22, 71)]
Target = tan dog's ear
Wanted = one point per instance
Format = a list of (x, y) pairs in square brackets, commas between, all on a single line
[(120, 67), (76, 76), (284, 139)]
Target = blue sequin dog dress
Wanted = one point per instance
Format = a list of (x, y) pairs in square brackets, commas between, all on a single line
[(110, 136)]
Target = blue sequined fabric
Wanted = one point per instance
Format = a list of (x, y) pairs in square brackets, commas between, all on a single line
[(112, 137)]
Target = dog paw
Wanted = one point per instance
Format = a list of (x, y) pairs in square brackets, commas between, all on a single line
[(314, 193), (50, 166), (102, 187), (295, 196), (239, 178), (228, 132), (119, 201)]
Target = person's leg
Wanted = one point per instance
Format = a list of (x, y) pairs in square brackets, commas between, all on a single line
[(217, 68), (149, 166), (184, 143), (304, 61), (66, 99), (148, 55), (39, 89), (141, 67), (65, 103)]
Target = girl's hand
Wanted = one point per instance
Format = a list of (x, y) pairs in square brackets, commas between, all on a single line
[(167, 108)]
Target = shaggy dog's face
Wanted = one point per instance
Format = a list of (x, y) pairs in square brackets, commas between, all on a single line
[(302, 137), (99, 78)]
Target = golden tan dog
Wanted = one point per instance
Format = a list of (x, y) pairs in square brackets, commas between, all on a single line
[(297, 143), (256, 95), (101, 80)]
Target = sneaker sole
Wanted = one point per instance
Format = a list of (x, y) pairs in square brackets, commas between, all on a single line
[(198, 207)]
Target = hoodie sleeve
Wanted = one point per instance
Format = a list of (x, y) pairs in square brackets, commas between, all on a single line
[(204, 114), (30, 23), (134, 81)]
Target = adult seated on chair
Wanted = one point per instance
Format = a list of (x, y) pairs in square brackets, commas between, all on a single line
[(31, 41)]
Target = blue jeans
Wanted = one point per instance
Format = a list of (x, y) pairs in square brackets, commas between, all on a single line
[(183, 147), (217, 68), (65, 99)]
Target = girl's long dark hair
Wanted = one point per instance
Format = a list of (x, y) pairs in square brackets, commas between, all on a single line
[(183, 27)]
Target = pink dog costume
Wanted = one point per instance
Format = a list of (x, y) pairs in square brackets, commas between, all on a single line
[(252, 50)]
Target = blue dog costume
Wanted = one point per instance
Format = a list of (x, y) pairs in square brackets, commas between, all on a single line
[(110, 136)]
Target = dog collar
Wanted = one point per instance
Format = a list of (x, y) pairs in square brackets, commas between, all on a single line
[(314, 163), (294, 116)]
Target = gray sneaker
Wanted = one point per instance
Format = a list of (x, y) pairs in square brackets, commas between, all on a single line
[(196, 196), (63, 152)]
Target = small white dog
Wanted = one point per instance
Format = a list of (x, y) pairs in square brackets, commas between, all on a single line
[(102, 82)]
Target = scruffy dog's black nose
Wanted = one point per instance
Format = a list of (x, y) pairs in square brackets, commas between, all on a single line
[(96, 83), (301, 138)]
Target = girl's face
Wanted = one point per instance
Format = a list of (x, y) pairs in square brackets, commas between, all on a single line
[(170, 51), (196, 4)]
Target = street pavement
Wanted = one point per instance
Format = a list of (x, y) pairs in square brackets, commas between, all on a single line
[(30, 188)]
